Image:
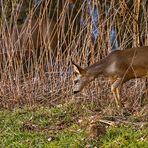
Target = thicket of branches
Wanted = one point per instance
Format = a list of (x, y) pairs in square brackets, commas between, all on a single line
[(84, 31)]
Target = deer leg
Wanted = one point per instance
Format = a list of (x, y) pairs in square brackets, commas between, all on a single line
[(115, 88)]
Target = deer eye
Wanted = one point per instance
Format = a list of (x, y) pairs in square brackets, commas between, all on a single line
[(75, 74), (76, 81)]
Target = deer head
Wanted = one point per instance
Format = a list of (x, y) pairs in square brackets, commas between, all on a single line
[(82, 78)]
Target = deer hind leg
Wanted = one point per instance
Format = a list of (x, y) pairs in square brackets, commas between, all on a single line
[(115, 88)]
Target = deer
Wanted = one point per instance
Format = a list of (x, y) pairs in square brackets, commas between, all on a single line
[(33, 38), (119, 66)]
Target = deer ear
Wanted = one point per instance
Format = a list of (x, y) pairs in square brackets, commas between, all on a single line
[(78, 69)]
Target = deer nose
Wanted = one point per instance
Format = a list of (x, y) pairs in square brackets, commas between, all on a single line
[(75, 92)]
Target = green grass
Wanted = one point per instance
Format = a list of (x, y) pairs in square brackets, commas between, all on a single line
[(58, 127), (125, 137)]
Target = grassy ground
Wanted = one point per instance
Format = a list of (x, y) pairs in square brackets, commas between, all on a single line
[(66, 126)]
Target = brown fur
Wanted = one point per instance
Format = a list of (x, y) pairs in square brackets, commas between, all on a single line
[(34, 39)]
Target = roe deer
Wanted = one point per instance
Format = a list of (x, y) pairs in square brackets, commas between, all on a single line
[(36, 37), (119, 66)]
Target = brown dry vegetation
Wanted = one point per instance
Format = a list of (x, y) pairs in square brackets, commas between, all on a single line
[(30, 76)]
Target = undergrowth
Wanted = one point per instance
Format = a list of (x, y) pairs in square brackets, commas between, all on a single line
[(61, 127)]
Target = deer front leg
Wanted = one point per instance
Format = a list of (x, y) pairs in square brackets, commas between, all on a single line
[(115, 88)]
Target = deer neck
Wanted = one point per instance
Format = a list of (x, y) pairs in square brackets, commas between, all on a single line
[(97, 69)]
